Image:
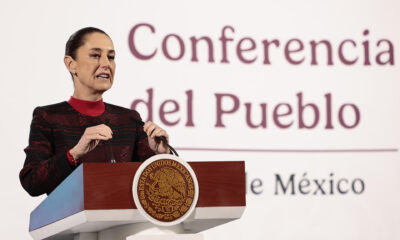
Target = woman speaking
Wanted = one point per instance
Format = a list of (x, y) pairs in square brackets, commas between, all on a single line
[(85, 129)]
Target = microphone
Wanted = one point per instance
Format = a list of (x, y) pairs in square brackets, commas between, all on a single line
[(112, 158), (163, 139)]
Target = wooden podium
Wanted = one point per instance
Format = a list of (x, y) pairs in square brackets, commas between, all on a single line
[(96, 201)]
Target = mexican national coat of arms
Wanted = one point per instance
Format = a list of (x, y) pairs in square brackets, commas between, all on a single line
[(165, 189)]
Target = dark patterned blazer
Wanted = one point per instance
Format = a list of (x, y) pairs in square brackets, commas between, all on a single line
[(57, 128)]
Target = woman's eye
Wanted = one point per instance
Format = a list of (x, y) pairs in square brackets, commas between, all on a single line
[(111, 57), (95, 55)]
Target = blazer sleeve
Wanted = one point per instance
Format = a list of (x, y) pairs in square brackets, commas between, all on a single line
[(43, 169), (142, 149)]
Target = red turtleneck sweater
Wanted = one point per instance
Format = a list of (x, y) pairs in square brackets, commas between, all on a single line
[(88, 107)]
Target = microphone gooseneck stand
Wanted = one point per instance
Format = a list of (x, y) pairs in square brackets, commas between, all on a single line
[(112, 158)]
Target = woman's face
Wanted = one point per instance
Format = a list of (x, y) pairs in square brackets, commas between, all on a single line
[(94, 64)]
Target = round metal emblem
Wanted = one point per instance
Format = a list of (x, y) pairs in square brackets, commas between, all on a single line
[(165, 189)]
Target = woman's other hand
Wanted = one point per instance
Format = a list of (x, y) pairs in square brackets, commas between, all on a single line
[(154, 133)]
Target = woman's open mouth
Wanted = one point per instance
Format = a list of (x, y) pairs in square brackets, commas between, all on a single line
[(103, 76)]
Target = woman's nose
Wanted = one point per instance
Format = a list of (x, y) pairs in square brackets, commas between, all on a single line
[(104, 62)]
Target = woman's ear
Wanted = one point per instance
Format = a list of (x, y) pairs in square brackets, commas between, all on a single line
[(70, 64)]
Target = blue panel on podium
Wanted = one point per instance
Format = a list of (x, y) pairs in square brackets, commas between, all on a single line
[(66, 200)]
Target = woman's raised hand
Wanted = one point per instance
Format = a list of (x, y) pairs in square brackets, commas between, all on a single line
[(89, 140)]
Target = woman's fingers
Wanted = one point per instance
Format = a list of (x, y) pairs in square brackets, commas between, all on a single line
[(108, 129), (149, 128), (98, 136), (91, 138), (101, 129), (154, 132), (160, 133)]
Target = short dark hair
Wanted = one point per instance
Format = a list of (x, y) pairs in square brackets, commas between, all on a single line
[(78, 39)]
